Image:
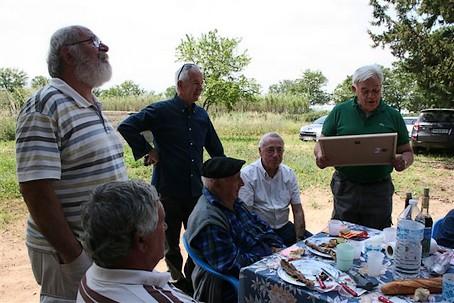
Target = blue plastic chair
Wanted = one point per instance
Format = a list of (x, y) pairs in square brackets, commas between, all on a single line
[(197, 260), (436, 227)]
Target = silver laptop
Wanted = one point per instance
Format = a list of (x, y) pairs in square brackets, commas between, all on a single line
[(372, 149)]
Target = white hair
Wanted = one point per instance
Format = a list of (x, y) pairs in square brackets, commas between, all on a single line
[(61, 37), (273, 135), (183, 71), (368, 71)]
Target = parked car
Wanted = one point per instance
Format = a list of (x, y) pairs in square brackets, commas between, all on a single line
[(434, 129), (313, 130), (409, 122)]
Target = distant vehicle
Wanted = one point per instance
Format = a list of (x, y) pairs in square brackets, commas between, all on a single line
[(434, 129), (409, 122), (312, 131)]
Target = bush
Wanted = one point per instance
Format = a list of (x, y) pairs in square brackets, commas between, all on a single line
[(128, 103), (313, 115), (7, 127)]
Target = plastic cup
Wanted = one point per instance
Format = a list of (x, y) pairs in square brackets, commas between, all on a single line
[(344, 256), (389, 235), (374, 263), (372, 244), (448, 287), (357, 247), (335, 226)]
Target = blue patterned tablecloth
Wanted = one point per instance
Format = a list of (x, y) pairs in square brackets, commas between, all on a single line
[(260, 282)]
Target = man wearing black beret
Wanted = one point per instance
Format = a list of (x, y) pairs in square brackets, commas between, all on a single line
[(223, 232)]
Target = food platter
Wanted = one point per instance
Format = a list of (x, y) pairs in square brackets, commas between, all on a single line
[(310, 269), (322, 241)]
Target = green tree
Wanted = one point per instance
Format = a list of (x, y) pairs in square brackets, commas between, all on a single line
[(125, 89), (420, 33), (12, 83), (343, 90), (11, 79), (222, 65), (169, 92), (310, 86), (283, 87), (39, 81), (401, 91)]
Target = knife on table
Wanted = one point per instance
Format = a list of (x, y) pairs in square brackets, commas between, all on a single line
[(343, 285)]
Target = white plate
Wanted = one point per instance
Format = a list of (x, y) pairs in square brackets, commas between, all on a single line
[(319, 241), (310, 269)]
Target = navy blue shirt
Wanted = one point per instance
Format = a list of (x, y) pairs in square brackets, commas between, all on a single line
[(445, 235), (180, 133)]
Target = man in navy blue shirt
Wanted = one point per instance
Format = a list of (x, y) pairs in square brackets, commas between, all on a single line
[(181, 130)]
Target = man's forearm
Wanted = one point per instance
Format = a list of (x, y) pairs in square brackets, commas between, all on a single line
[(47, 213), (299, 221)]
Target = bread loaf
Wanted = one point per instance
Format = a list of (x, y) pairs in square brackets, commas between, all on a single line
[(408, 287)]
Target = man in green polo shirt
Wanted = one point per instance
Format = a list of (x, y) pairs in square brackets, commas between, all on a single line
[(363, 194)]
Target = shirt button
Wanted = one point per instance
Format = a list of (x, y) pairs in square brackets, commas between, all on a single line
[(192, 160), (190, 129), (190, 143), (192, 175)]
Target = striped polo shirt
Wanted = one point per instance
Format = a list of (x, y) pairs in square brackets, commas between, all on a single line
[(63, 137)]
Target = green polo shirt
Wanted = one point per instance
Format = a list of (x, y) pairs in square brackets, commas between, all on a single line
[(347, 118)]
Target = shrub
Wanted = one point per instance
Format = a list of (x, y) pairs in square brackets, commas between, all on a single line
[(7, 127)]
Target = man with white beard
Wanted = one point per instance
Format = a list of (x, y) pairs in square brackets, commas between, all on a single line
[(65, 147)]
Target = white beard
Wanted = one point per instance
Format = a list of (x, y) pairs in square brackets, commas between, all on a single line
[(93, 74)]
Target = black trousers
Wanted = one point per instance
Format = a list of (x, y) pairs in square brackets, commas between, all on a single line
[(177, 213), (368, 204)]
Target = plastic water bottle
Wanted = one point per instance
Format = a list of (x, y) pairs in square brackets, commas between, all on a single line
[(407, 255), (411, 211)]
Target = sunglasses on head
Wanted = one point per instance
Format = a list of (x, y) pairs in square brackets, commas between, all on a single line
[(187, 66)]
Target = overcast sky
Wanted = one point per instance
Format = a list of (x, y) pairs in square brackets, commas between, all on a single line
[(283, 37)]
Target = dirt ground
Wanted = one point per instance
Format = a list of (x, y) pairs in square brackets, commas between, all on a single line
[(18, 285)]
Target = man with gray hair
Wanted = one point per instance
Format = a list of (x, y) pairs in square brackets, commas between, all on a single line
[(65, 147), (363, 194), (181, 130), (124, 230), (270, 187)]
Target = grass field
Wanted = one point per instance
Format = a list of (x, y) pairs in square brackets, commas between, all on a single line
[(240, 133)]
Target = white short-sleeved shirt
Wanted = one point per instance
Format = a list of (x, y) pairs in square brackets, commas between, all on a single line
[(126, 285), (269, 197), (62, 137)]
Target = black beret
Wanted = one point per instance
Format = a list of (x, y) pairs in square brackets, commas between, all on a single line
[(221, 167)]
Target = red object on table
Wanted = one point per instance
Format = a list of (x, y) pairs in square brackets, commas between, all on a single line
[(348, 289), (354, 234), (320, 282), (343, 285), (384, 299)]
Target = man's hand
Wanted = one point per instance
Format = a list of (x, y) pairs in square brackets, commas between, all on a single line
[(399, 163), (299, 221), (48, 215), (320, 159), (404, 157), (151, 158)]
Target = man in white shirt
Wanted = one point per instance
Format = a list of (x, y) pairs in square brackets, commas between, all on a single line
[(270, 187), (124, 234)]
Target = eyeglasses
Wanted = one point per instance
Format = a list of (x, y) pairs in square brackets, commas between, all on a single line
[(94, 40), (271, 150), (188, 65)]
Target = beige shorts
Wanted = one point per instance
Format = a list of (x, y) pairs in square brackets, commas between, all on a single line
[(59, 282)]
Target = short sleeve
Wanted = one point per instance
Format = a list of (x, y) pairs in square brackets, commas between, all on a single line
[(37, 148)]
